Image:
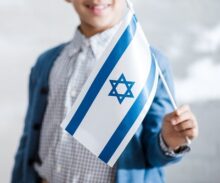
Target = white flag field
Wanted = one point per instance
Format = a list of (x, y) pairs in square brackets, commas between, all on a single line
[(117, 95)]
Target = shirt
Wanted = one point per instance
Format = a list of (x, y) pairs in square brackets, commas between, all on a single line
[(63, 158)]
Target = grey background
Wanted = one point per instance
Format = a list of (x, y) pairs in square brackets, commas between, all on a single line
[(187, 31)]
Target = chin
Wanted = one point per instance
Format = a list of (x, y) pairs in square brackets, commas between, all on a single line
[(101, 24)]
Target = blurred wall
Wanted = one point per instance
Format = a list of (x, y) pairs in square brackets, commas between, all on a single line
[(188, 32)]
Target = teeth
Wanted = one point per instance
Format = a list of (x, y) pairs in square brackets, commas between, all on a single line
[(98, 7)]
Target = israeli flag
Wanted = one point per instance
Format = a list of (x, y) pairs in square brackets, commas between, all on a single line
[(117, 95)]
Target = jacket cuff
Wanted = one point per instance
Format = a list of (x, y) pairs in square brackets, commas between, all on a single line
[(173, 153)]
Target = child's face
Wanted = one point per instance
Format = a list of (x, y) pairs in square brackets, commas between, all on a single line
[(99, 14)]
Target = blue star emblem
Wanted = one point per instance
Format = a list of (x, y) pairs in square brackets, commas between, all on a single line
[(121, 88)]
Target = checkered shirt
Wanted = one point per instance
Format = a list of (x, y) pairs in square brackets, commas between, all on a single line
[(64, 160)]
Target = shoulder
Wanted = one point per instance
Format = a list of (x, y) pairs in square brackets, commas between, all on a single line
[(46, 58), (162, 60), (163, 63)]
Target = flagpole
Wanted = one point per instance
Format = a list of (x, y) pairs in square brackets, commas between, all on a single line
[(188, 141), (130, 5), (166, 87)]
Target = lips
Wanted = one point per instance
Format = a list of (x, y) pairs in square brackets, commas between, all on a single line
[(98, 9)]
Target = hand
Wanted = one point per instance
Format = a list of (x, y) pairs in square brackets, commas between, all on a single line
[(178, 126)]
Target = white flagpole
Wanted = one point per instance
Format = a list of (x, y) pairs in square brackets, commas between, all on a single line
[(130, 5), (166, 87), (188, 141)]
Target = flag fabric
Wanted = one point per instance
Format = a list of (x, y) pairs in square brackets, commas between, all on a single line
[(117, 95)]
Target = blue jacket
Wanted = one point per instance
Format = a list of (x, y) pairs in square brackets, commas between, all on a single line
[(141, 162)]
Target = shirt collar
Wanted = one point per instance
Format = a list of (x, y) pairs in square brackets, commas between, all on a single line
[(98, 42)]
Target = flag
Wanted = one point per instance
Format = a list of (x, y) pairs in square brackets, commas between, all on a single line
[(117, 95)]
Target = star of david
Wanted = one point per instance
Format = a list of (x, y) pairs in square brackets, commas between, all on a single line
[(121, 88)]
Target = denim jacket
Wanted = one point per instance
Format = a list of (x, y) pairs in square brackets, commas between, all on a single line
[(143, 159)]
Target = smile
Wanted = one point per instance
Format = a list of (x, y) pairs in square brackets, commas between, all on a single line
[(98, 9)]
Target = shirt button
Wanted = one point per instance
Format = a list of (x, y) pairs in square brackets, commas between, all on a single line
[(73, 93), (58, 168), (44, 91), (31, 161), (37, 126)]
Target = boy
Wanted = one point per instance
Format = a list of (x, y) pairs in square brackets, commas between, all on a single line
[(47, 154)]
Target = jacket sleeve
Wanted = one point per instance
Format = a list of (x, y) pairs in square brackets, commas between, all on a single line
[(153, 121), (40, 71), (19, 157)]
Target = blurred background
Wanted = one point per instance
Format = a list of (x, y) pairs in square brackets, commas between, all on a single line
[(186, 31)]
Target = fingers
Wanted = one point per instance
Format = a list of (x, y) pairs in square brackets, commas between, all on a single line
[(186, 125), (184, 122), (180, 127), (190, 133), (182, 109), (182, 114), (181, 118)]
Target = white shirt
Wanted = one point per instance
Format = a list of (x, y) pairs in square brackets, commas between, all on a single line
[(64, 160)]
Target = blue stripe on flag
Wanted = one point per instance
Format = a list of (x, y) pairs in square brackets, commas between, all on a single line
[(130, 117), (102, 75)]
